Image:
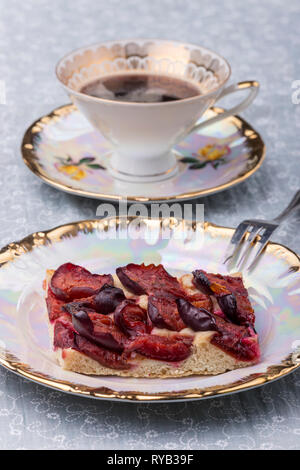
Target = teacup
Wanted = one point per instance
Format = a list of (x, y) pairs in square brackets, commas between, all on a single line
[(143, 134)]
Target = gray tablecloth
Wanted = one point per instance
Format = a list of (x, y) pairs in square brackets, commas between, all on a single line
[(261, 40)]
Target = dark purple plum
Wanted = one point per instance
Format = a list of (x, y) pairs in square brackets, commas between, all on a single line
[(82, 323), (108, 298), (105, 357), (163, 312), (84, 327), (202, 282), (131, 319), (74, 307), (198, 319), (228, 306), (131, 285), (154, 314)]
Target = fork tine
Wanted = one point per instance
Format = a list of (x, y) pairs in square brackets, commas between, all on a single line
[(263, 243), (240, 231), (248, 244), (236, 240)]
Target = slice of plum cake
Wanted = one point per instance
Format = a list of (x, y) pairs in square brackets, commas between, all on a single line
[(144, 322)]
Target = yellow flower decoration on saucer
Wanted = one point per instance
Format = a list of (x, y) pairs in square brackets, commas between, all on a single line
[(211, 152), (73, 171), (77, 170)]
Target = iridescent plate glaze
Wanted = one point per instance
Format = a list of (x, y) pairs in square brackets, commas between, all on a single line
[(101, 246), (66, 152)]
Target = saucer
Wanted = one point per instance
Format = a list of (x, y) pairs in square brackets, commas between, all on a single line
[(64, 150)]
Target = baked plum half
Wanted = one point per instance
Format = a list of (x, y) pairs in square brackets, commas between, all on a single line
[(55, 306), (163, 312), (71, 282), (169, 349), (240, 342), (140, 280), (231, 294), (99, 329), (131, 319), (105, 357), (198, 319)]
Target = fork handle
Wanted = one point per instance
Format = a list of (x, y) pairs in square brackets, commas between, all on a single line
[(294, 204)]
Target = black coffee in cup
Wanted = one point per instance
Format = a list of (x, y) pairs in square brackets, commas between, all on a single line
[(141, 88)]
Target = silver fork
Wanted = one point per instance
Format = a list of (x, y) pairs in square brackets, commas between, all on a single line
[(255, 232)]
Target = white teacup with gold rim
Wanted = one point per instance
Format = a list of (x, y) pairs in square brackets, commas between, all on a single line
[(143, 134)]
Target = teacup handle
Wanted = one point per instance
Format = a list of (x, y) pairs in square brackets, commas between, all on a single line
[(253, 88)]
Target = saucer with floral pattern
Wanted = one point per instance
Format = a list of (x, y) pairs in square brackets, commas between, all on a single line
[(65, 151)]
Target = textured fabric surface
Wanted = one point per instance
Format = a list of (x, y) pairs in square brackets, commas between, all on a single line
[(261, 41)]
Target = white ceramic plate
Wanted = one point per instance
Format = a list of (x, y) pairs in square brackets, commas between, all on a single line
[(101, 246)]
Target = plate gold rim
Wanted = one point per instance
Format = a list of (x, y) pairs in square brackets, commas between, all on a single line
[(30, 160), (13, 250)]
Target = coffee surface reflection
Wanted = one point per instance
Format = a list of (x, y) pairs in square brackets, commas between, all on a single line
[(141, 88)]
